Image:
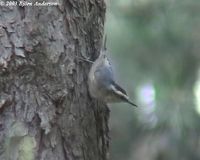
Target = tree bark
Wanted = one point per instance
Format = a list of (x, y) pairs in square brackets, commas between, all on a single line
[(46, 112)]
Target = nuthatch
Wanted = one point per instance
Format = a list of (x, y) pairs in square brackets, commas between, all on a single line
[(102, 85)]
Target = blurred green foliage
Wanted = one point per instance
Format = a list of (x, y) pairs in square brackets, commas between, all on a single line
[(155, 44)]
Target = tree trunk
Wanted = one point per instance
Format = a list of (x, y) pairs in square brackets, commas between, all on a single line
[(46, 112)]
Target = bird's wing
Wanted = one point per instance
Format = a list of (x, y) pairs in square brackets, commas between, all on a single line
[(121, 93), (104, 75), (119, 88)]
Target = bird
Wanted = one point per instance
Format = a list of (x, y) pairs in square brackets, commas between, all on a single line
[(101, 82)]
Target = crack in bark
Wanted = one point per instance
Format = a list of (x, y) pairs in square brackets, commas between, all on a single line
[(10, 41), (40, 145), (64, 148), (22, 12)]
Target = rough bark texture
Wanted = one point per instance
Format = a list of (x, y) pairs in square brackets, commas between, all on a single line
[(46, 112)]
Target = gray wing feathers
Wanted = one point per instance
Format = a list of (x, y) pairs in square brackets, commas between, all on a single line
[(104, 75)]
